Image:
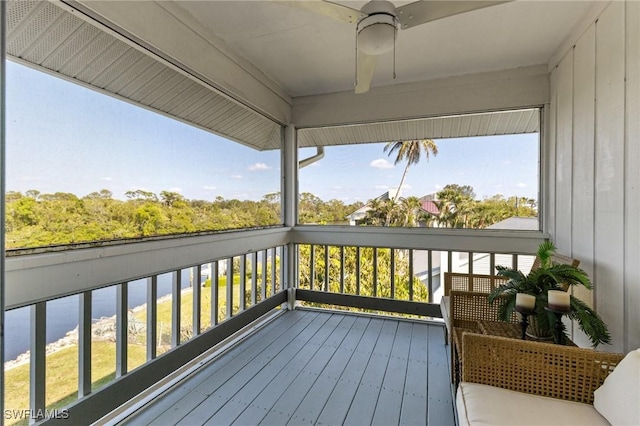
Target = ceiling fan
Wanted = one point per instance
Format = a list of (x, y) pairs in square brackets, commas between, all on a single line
[(377, 24)]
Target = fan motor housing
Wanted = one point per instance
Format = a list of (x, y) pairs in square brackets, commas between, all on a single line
[(377, 33)]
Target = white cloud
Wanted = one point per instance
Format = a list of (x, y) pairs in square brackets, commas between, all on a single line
[(259, 166), (381, 163), (209, 187), (107, 179), (236, 176), (521, 185)]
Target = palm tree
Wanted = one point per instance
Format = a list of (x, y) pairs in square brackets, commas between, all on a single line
[(411, 152), (409, 209)]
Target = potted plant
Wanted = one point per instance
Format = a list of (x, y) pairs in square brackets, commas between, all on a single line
[(549, 276)]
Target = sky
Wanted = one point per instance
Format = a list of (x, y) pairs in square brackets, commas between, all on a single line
[(62, 137)]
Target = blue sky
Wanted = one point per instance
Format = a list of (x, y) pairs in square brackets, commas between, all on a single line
[(64, 138)]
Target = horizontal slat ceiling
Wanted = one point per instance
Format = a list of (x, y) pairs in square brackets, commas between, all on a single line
[(486, 124), (45, 36)]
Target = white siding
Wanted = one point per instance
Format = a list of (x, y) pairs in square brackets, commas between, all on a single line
[(582, 220), (593, 142), (564, 151), (632, 178)]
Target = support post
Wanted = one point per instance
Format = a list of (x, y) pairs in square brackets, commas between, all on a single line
[(3, 6), (290, 206)]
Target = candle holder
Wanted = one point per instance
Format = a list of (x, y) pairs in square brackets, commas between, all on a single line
[(524, 323), (558, 335)]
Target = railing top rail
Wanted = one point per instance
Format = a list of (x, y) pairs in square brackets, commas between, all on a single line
[(46, 276), (474, 240)]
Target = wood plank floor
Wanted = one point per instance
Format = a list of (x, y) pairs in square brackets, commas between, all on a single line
[(324, 368)]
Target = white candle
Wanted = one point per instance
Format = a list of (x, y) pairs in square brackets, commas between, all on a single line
[(525, 301), (558, 300)]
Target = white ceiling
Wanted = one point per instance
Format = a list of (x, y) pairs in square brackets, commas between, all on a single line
[(308, 54)]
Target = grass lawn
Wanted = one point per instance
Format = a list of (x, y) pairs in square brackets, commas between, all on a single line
[(62, 376)]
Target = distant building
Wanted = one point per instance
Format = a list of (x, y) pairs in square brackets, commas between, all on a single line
[(358, 216), (427, 202)]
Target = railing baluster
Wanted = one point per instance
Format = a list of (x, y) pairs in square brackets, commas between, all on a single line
[(358, 270), (514, 261), (450, 261), (375, 272), (176, 307), (430, 276), (122, 324), (312, 266), (84, 344), (254, 278), (492, 263), (264, 275), (38, 360), (196, 310), (470, 262), (214, 293), (284, 268), (326, 267), (152, 317), (274, 287), (229, 287), (392, 267), (341, 269), (243, 283), (410, 274)]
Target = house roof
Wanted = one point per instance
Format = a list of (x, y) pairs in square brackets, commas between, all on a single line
[(517, 223), (426, 203), (430, 207)]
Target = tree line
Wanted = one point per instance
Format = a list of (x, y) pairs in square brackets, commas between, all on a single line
[(457, 208), (35, 219)]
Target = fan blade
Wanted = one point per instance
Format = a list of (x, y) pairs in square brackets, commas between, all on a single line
[(421, 12), (326, 8), (364, 72)]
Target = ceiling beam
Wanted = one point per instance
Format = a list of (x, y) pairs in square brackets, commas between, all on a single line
[(494, 91)]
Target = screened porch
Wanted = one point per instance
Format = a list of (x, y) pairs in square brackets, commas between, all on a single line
[(279, 346)]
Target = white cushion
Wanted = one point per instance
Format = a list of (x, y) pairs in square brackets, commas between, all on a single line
[(444, 308), (488, 405), (618, 399)]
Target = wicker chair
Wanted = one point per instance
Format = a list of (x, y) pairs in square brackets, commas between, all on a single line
[(464, 282), (467, 308), (544, 369)]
